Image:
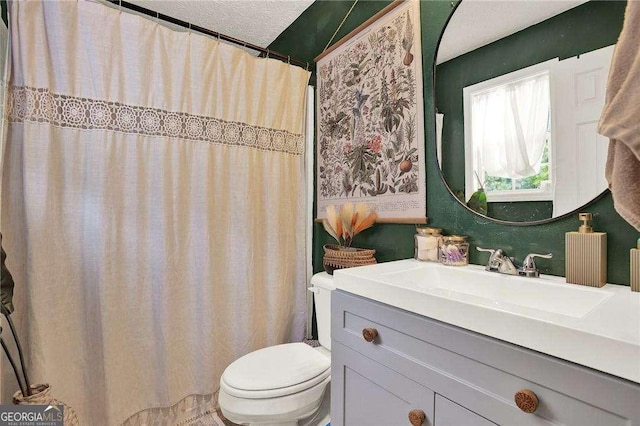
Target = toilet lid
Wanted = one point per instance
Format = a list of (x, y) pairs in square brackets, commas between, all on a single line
[(276, 371)]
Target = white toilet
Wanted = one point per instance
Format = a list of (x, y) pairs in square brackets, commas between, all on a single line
[(284, 385)]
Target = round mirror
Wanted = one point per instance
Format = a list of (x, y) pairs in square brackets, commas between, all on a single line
[(519, 86)]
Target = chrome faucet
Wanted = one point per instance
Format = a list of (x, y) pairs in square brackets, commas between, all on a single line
[(503, 264)]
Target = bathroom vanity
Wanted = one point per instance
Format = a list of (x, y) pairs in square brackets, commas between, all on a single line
[(419, 343)]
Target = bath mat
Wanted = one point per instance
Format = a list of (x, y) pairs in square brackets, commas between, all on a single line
[(312, 343)]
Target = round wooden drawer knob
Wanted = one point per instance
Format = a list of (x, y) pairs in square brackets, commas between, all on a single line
[(416, 417), (526, 400), (369, 334)]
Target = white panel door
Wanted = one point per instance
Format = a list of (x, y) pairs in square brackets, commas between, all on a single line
[(579, 153)]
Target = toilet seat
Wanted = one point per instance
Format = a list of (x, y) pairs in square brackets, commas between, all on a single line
[(293, 368)]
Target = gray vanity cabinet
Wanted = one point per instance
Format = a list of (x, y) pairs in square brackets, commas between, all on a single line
[(387, 362)]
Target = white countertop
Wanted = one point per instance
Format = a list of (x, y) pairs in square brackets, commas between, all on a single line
[(604, 337)]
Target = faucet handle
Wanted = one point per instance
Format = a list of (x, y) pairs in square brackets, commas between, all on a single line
[(495, 253), (529, 264), (484, 249)]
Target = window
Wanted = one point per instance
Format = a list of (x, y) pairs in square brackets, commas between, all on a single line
[(508, 136)]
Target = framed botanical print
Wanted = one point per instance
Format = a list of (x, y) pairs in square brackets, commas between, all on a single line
[(370, 123)]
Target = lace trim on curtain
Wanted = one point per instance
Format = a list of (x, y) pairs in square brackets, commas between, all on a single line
[(40, 105), (194, 410)]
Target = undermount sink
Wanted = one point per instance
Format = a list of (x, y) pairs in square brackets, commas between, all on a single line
[(472, 284)]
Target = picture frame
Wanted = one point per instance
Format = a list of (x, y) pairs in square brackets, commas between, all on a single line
[(370, 119)]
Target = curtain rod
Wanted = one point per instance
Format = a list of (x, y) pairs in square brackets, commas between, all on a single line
[(269, 53)]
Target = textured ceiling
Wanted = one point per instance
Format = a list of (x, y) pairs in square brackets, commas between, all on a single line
[(257, 22), (474, 24), (479, 22)]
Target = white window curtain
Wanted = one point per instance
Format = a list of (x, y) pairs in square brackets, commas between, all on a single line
[(509, 125), (153, 208), (439, 125)]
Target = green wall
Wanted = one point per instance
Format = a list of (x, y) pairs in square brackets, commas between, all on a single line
[(306, 38), (582, 29)]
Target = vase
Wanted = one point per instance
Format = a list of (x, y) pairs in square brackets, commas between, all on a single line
[(339, 257), (408, 58), (42, 396)]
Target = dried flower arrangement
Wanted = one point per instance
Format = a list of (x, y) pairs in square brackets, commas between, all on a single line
[(344, 223)]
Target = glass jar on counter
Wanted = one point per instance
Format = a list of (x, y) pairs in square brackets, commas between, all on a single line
[(454, 250), (427, 244)]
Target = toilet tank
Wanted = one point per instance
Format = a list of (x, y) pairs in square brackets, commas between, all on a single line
[(322, 286)]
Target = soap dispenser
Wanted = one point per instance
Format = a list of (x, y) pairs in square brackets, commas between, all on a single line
[(586, 255)]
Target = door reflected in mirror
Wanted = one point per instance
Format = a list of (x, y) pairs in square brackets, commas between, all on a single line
[(519, 89)]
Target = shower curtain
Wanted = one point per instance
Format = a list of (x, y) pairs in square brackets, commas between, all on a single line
[(153, 206)]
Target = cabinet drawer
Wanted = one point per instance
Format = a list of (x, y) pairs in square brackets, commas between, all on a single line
[(448, 413), (480, 373), (372, 394)]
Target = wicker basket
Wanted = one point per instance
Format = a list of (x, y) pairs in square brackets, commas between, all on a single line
[(338, 257), (42, 396)]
